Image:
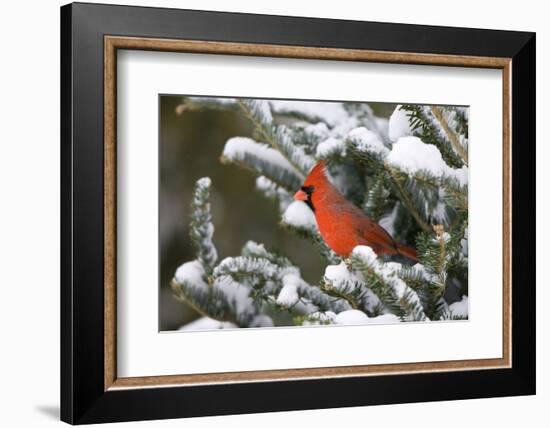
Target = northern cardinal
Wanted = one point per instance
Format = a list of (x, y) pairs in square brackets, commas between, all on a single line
[(343, 226)]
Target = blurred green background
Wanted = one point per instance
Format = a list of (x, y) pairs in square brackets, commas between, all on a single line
[(191, 143)]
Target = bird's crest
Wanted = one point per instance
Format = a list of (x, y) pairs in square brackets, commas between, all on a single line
[(317, 174)]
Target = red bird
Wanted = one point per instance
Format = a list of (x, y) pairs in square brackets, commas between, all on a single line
[(343, 226)]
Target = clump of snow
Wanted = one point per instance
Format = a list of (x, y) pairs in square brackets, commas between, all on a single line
[(237, 149), (206, 323), (330, 147), (367, 141), (331, 113), (351, 317), (261, 321), (319, 131), (258, 250), (299, 215), (344, 128), (384, 319), (288, 296), (398, 125), (204, 182), (366, 253), (460, 308), (410, 155), (340, 276), (191, 273), (388, 220)]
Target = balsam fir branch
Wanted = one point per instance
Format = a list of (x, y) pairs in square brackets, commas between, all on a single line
[(444, 118), (426, 126), (382, 278), (262, 160), (201, 227), (259, 112)]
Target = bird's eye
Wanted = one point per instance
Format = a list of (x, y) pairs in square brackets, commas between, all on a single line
[(308, 189)]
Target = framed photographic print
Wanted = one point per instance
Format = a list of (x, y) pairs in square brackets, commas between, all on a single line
[(274, 213)]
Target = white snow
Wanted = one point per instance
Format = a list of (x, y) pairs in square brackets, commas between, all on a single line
[(317, 130), (191, 273), (258, 250), (388, 272), (295, 153), (299, 215), (365, 253), (399, 124), (439, 213), (340, 276), (241, 264), (410, 155), (206, 323), (237, 148), (384, 319), (204, 182), (351, 317), (332, 113), (367, 141), (464, 243), (271, 190), (330, 147), (388, 221), (288, 296), (261, 321), (460, 308), (264, 184), (237, 294), (262, 109)]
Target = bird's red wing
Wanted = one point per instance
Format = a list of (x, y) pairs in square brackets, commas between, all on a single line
[(376, 235)]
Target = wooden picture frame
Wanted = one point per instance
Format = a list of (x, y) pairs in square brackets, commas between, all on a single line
[(91, 390)]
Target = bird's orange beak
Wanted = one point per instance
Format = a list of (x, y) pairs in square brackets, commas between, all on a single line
[(300, 195)]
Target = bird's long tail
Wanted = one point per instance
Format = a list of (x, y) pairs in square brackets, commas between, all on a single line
[(408, 252)]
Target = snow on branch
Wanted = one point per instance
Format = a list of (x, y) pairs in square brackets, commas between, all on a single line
[(262, 159), (206, 103), (278, 137), (426, 126), (383, 280), (448, 125), (366, 117), (272, 190), (341, 282), (190, 286), (410, 154), (365, 141), (201, 227), (330, 113)]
